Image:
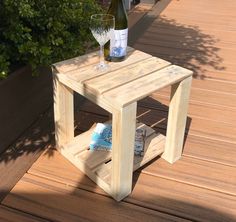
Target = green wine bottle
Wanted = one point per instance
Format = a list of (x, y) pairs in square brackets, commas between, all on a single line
[(115, 50)]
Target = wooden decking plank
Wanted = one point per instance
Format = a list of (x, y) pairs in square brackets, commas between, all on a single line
[(225, 71), (184, 200), (210, 150), (23, 153), (65, 203), (203, 111), (162, 27), (217, 57), (137, 13), (219, 131), (53, 166), (207, 97), (11, 215), (162, 194), (216, 86), (192, 171)]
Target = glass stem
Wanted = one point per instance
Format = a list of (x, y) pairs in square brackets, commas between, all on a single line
[(101, 55)]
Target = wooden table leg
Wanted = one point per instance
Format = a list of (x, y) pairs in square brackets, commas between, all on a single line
[(123, 136), (177, 120), (63, 113)]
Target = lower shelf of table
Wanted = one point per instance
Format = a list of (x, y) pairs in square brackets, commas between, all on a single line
[(97, 164)]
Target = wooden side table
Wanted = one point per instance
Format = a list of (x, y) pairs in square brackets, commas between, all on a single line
[(118, 91)]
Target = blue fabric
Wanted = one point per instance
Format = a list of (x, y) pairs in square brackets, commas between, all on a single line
[(101, 137)]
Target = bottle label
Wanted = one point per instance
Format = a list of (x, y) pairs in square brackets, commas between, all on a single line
[(118, 43)]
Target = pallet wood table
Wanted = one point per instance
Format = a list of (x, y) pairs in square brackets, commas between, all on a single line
[(118, 91)]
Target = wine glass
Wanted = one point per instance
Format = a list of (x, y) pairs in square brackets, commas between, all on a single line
[(102, 27)]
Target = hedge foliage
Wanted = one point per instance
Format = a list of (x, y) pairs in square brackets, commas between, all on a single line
[(41, 32)]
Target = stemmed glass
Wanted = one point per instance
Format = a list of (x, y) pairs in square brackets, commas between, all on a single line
[(102, 27)]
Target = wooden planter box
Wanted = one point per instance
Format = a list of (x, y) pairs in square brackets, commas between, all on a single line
[(22, 99)]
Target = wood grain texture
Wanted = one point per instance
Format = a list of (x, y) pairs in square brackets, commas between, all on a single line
[(63, 113), (123, 136), (24, 152), (189, 170), (142, 87), (10, 215), (183, 200), (177, 118), (29, 196), (157, 181)]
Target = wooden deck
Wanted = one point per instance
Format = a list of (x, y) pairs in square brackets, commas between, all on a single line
[(201, 186)]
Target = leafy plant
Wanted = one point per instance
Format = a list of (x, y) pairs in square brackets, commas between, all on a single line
[(42, 32)]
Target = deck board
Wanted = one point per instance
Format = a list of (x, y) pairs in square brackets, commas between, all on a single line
[(155, 192), (10, 215), (77, 205), (201, 186)]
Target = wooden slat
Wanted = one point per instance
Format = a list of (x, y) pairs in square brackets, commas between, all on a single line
[(93, 159), (53, 166), (154, 146), (90, 72), (63, 112), (125, 75), (219, 131), (184, 200), (24, 152), (30, 193), (210, 150), (209, 97), (177, 118), (135, 90), (166, 195), (10, 215), (192, 171), (203, 111), (78, 62)]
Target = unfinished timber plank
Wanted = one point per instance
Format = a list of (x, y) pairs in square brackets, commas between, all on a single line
[(177, 117), (123, 136), (88, 72), (154, 146), (11, 215), (126, 74), (43, 198), (63, 113), (79, 62), (136, 90)]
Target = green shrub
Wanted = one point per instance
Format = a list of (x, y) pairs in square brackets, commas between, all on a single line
[(41, 32)]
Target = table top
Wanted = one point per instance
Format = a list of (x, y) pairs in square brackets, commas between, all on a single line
[(125, 82)]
